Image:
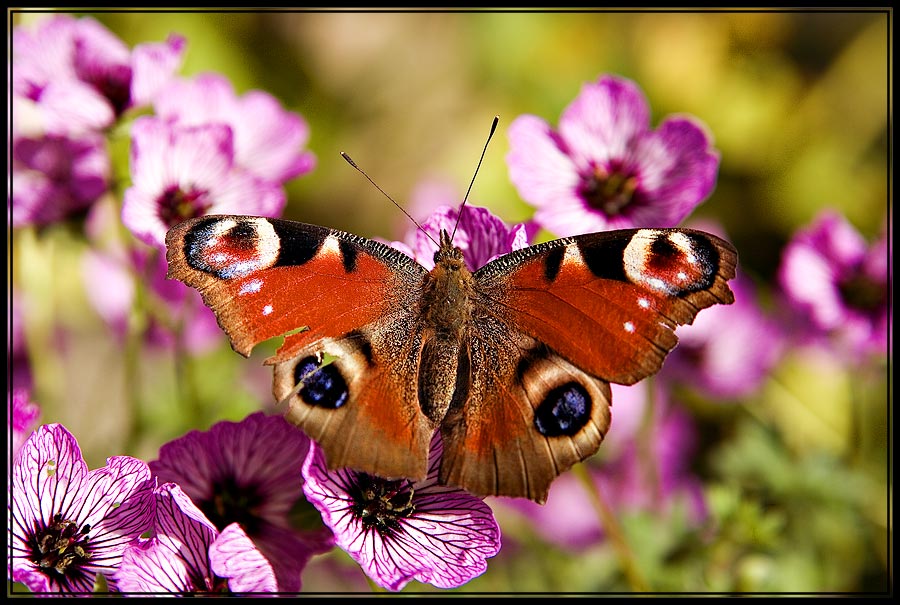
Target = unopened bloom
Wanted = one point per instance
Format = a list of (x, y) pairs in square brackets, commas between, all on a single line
[(67, 524), (401, 530), (248, 473), (604, 168)]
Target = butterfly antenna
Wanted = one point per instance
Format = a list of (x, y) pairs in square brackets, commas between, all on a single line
[(481, 159), (383, 192)]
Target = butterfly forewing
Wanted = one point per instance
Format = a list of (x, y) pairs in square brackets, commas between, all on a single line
[(608, 302)]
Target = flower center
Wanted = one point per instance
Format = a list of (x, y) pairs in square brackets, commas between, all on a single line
[(233, 503), (176, 205), (60, 548), (862, 293), (608, 191), (380, 503)]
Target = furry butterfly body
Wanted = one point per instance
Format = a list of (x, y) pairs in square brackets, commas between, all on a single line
[(511, 363)]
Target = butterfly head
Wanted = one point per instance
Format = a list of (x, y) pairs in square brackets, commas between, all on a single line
[(448, 255)]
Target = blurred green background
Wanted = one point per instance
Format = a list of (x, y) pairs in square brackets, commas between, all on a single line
[(799, 106)]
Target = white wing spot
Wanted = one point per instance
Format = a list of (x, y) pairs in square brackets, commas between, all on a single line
[(267, 310), (629, 327), (251, 287), (331, 245)]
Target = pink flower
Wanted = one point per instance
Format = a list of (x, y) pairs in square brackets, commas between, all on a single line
[(82, 76), (68, 524), (249, 473), (188, 555), (268, 141), (605, 168), (180, 172), (22, 416), (479, 234), (55, 177), (838, 286)]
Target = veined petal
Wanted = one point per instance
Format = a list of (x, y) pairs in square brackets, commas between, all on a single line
[(431, 533), (233, 556)]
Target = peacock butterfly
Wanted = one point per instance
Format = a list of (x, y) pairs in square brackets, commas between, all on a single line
[(511, 363)]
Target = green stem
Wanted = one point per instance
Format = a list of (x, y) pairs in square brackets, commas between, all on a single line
[(613, 530), (137, 327), (185, 375), (645, 442)]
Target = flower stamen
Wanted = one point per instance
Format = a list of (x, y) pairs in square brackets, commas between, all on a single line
[(60, 546), (608, 191), (380, 504), (177, 205)]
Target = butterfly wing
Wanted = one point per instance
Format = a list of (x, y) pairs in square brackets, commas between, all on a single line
[(580, 312), (345, 305)]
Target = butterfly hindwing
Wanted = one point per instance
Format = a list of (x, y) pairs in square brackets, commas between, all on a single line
[(529, 415), (361, 406)]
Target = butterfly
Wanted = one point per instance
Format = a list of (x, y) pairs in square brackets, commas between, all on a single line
[(511, 363)]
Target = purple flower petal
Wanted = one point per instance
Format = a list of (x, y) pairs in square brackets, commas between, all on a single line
[(22, 417), (188, 555), (153, 66), (541, 171), (268, 140), (838, 286), (479, 234), (605, 169), (56, 176), (176, 558), (71, 107), (235, 557), (235, 463), (180, 172), (43, 54), (103, 61), (600, 124)]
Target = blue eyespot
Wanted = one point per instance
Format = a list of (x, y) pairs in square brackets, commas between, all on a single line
[(322, 387), (564, 411)]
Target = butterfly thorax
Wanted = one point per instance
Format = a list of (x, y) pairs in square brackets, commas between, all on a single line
[(447, 292)]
